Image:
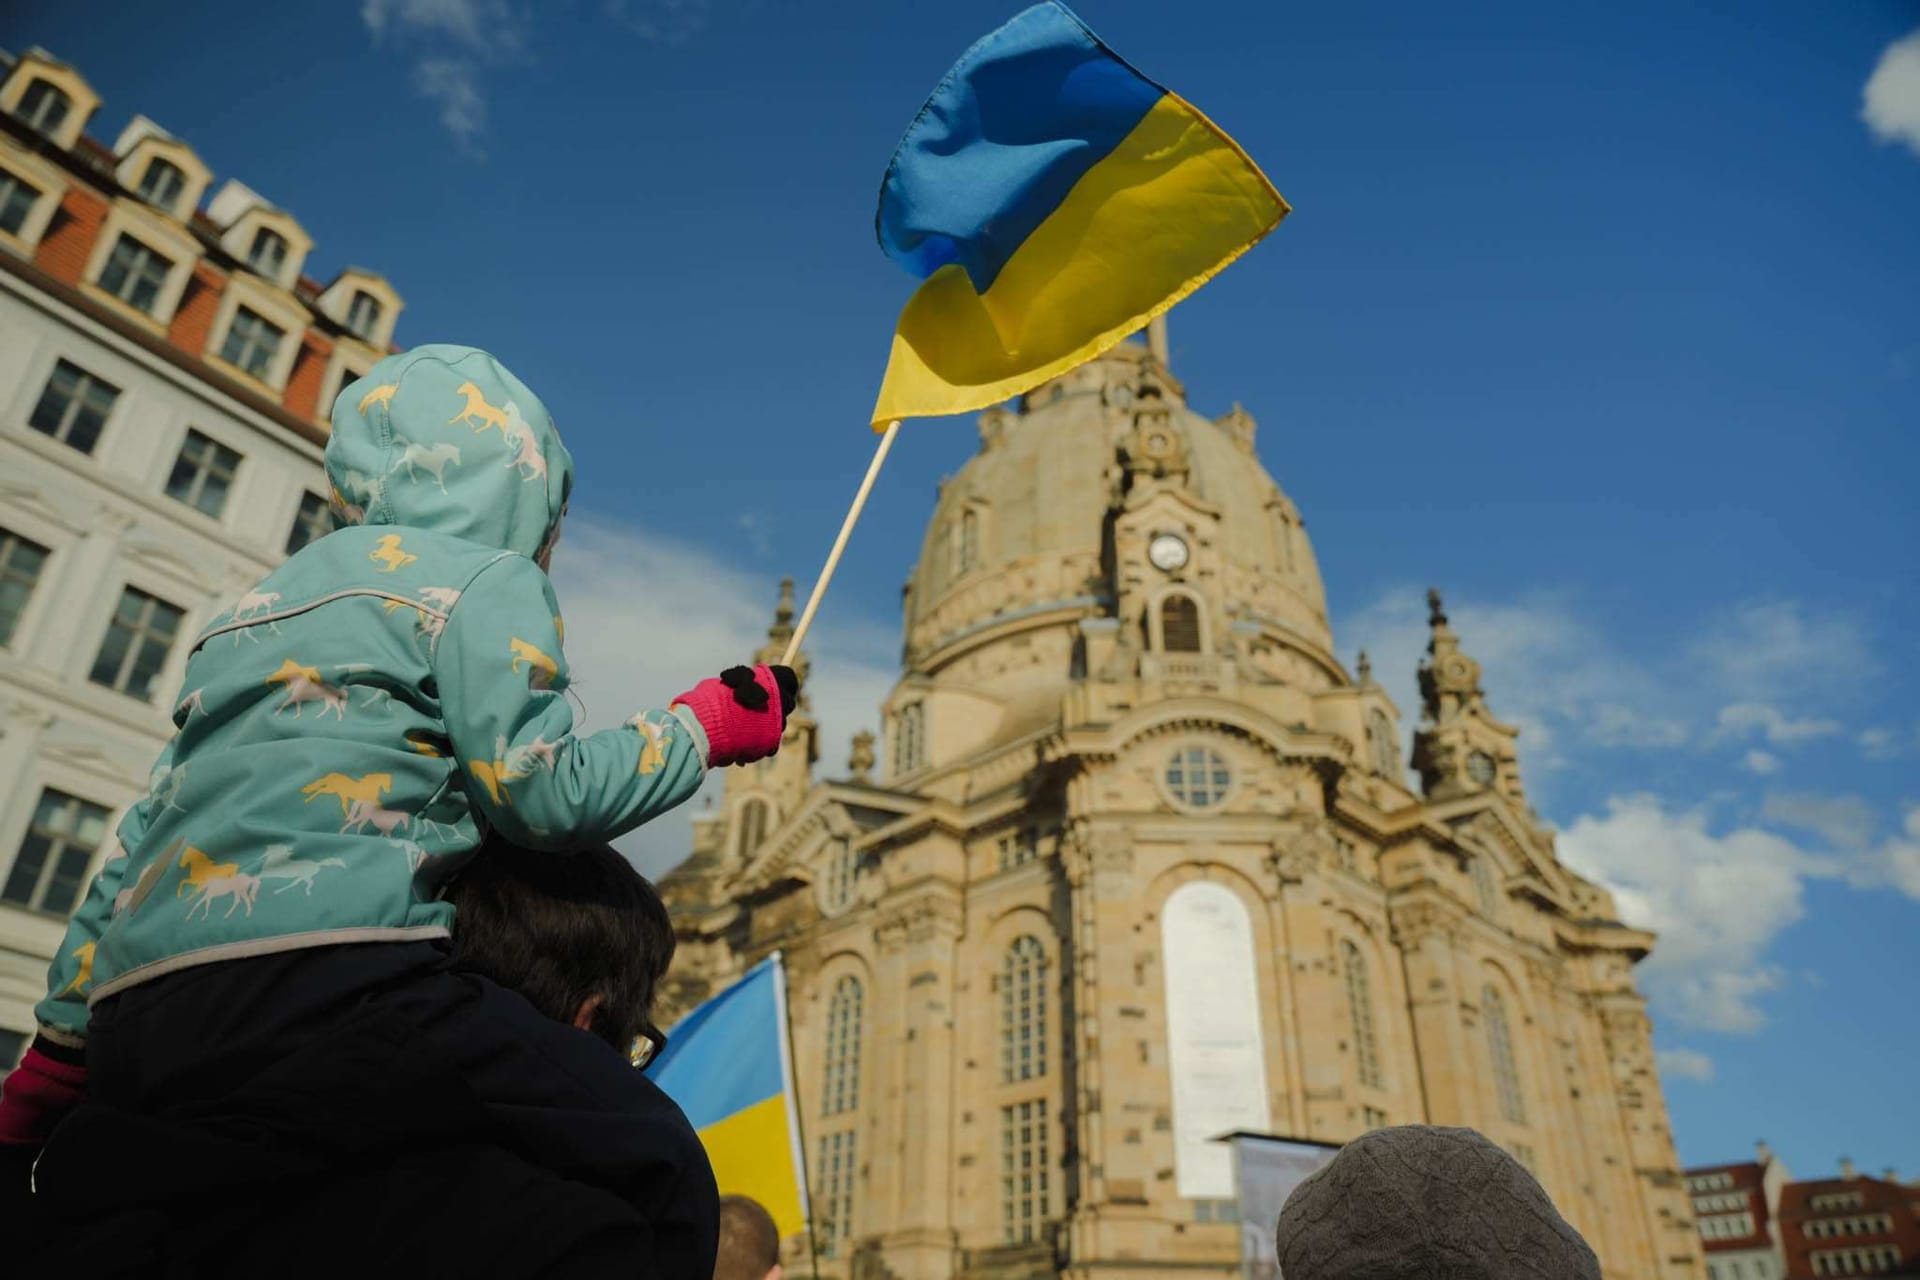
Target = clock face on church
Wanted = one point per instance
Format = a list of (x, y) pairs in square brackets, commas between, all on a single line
[(1167, 552)]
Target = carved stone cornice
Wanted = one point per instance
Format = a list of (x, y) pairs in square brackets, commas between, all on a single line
[(1414, 920), (937, 912)]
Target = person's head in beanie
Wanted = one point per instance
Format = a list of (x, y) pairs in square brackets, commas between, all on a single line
[(1424, 1203)]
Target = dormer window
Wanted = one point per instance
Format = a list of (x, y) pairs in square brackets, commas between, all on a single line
[(363, 316), (268, 254), (162, 183), (43, 107)]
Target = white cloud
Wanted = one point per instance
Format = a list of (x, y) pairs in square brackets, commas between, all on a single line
[(1717, 902), (1742, 719), (453, 85), (1879, 743), (1761, 762), (668, 22), (1545, 670), (1890, 101), (1685, 1064), (1762, 648), (648, 615), (1846, 822)]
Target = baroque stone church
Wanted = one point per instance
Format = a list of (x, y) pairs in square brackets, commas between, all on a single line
[(1143, 866)]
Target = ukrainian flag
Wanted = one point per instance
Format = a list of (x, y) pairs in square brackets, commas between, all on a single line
[(726, 1064), (1053, 200)]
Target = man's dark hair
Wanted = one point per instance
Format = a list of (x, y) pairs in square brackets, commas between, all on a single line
[(561, 927), (749, 1242)]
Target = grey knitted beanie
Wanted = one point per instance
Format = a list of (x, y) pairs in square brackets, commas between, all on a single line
[(1424, 1203)]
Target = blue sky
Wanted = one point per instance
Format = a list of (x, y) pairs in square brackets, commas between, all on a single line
[(1603, 318)]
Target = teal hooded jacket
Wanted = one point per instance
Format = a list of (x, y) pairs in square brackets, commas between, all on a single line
[(353, 725)]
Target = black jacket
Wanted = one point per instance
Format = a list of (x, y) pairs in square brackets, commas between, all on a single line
[(365, 1110)]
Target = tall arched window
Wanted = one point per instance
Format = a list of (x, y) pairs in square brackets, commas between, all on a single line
[(753, 826), (840, 1081), (1506, 1075), (1386, 752), (842, 868), (1216, 1051), (1179, 624), (1366, 1052), (1023, 1011)]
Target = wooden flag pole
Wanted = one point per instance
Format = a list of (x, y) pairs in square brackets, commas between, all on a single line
[(840, 543)]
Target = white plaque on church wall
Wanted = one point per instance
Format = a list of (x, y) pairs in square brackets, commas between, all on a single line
[(1215, 1052)]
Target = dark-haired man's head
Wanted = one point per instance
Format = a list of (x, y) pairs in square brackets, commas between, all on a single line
[(581, 935), (749, 1242)]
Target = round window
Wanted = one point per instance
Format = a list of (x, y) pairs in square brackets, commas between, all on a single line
[(1198, 777)]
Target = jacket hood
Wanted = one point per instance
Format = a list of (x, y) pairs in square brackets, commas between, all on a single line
[(446, 438)]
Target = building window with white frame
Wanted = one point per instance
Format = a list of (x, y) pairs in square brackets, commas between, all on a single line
[(17, 199), (137, 643), (1023, 1011), (135, 274), (21, 560), (252, 343), (1506, 1072), (1366, 1050), (1197, 777), (363, 315), (840, 1081), (969, 541), (43, 107), (162, 183), (1016, 848), (50, 869), (73, 406), (202, 474), (836, 1191), (1024, 1169), (313, 520), (268, 255)]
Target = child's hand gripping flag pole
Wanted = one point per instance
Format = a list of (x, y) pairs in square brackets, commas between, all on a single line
[(1054, 200), (727, 1064)]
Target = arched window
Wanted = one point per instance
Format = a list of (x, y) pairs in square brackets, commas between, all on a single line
[(1179, 624), (1366, 1052), (840, 1081), (1506, 1075), (162, 183), (753, 827), (1386, 752), (841, 872), (969, 540), (1023, 1011), (1216, 1051), (1480, 869), (44, 107)]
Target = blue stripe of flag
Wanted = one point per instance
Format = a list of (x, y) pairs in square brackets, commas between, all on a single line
[(724, 1056)]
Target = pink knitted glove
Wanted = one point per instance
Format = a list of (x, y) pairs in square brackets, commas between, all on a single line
[(744, 713), (37, 1095)]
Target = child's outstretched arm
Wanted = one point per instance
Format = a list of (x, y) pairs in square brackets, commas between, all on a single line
[(501, 674)]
